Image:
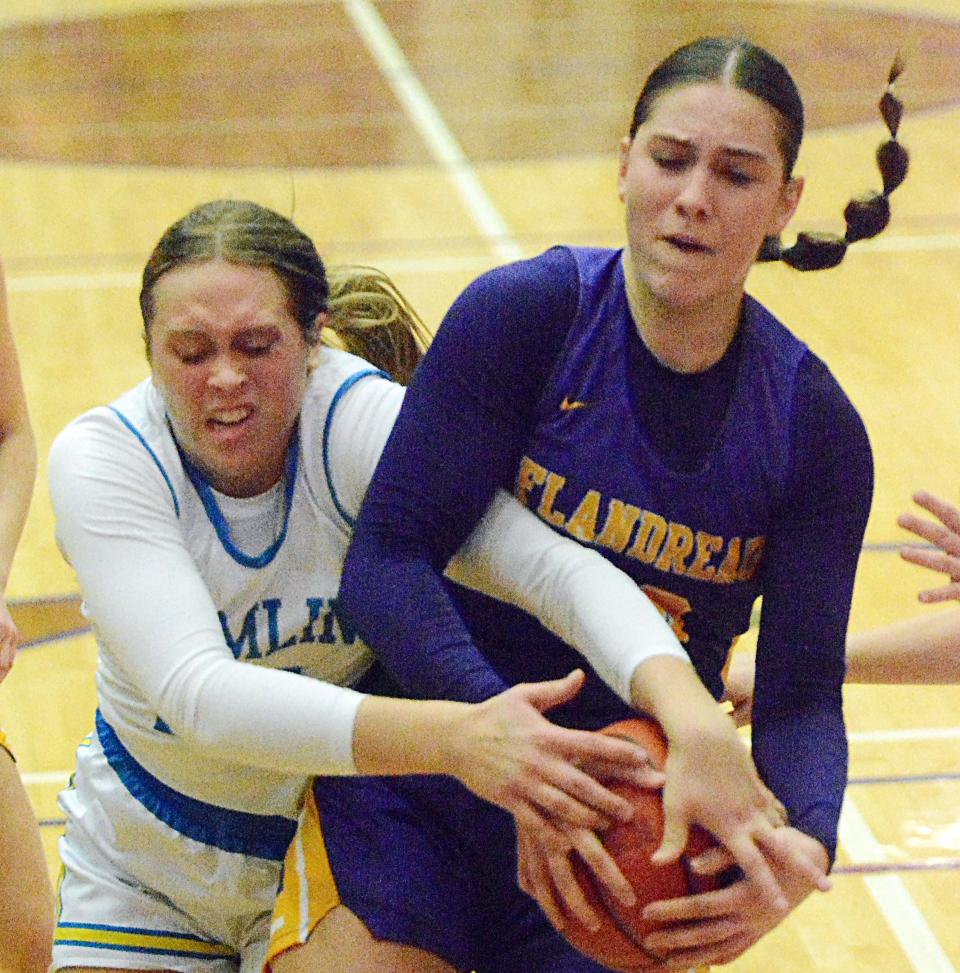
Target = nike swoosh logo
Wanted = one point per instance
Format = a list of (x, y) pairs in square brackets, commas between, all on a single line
[(567, 404)]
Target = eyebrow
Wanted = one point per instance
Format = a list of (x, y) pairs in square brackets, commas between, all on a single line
[(190, 330), (729, 150)]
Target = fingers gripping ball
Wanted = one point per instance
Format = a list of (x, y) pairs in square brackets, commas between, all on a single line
[(618, 942)]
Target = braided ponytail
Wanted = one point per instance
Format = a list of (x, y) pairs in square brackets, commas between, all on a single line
[(369, 317), (865, 216)]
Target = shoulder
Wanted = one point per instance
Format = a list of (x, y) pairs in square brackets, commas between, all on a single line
[(550, 279), (121, 447), (348, 412), (337, 378), (507, 326), (136, 418), (821, 395)]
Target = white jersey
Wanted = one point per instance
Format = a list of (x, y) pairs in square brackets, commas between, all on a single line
[(186, 796), (209, 581), (206, 583)]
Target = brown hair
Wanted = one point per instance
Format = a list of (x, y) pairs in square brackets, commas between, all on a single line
[(368, 315)]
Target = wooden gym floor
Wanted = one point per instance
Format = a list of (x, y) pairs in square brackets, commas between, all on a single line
[(436, 138)]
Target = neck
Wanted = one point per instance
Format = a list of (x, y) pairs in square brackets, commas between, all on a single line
[(684, 339)]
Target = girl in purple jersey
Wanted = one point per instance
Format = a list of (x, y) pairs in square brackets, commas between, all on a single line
[(639, 402)]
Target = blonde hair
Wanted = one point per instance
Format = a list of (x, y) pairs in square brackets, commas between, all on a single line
[(369, 317)]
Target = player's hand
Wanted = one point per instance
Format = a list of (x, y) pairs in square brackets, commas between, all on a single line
[(545, 872), (717, 927), (711, 781), (546, 776), (738, 687), (944, 534), (9, 640)]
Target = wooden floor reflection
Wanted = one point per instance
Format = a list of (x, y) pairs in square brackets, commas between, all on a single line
[(435, 139)]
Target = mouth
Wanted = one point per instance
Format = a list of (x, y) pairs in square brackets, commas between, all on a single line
[(686, 244), (229, 418)]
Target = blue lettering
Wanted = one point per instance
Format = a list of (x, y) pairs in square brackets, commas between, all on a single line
[(315, 606), (248, 635), (272, 606)]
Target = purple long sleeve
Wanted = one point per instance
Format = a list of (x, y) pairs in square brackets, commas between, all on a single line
[(460, 435)]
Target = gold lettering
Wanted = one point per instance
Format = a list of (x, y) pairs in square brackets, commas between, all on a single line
[(752, 558), (531, 474), (707, 545), (678, 545), (553, 486), (653, 529), (727, 572), (583, 523), (621, 519)]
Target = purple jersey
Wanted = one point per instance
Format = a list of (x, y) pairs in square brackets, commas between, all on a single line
[(751, 478)]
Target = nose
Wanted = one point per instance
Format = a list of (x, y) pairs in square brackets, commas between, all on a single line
[(226, 374), (693, 199)]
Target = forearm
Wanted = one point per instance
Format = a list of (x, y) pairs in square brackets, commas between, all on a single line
[(260, 717), (925, 649), (670, 690), (802, 757), (402, 736), (18, 466), (573, 591)]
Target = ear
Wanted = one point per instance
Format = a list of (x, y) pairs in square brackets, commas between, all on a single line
[(789, 201), (626, 144)]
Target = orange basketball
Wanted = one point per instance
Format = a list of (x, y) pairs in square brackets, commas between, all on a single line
[(618, 942)]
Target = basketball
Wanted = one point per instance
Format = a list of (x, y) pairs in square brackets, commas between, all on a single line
[(618, 942)]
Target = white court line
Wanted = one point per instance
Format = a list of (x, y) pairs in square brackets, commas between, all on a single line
[(109, 280), (101, 280), (906, 921), (59, 777), (441, 142), (915, 735)]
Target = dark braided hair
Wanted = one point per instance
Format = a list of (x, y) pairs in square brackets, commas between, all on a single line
[(866, 215), (750, 68)]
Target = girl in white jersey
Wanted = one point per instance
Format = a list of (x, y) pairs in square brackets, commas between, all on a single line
[(26, 898), (206, 513)]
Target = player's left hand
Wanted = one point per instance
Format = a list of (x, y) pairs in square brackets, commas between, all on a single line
[(546, 776), (944, 534), (545, 872), (711, 781), (717, 927)]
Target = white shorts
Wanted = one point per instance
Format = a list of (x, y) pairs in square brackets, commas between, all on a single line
[(137, 893)]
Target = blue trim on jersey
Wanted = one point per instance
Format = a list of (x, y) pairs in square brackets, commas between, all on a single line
[(334, 402), (144, 950), (219, 522), (153, 455), (259, 835), (133, 939)]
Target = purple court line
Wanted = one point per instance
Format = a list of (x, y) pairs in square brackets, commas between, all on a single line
[(59, 637), (881, 868), (904, 779)]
